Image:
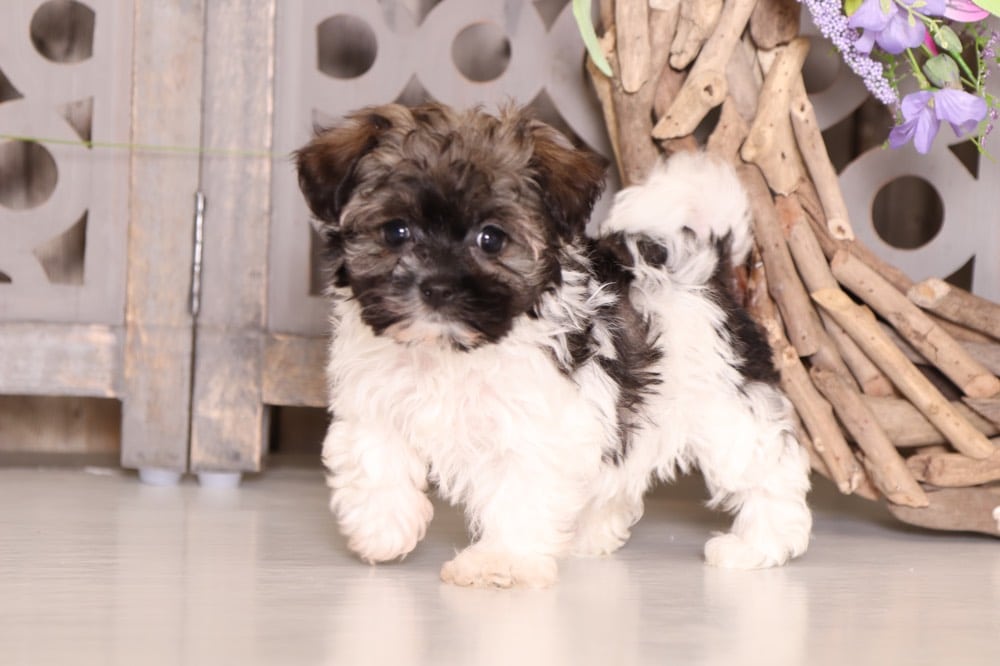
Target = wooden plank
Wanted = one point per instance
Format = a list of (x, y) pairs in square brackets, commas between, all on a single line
[(167, 80), (988, 408), (59, 425), (908, 428), (956, 509), (60, 359), (229, 419), (294, 371)]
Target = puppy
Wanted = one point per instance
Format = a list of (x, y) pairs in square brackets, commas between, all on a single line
[(540, 378)]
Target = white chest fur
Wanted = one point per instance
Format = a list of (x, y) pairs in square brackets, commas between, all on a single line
[(465, 410)]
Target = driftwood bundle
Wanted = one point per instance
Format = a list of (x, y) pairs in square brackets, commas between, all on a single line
[(895, 383)]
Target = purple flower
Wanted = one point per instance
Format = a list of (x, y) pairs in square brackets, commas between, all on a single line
[(892, 27), (829, 17), (923, 112)]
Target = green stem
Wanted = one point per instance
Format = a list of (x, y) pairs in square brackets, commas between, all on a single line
[(917, 73)]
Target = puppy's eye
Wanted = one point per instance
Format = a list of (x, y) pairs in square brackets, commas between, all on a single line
[(395, 232), (491, 239)]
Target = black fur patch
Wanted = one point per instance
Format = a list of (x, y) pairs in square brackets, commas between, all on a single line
[(745, 335), (636, 354)]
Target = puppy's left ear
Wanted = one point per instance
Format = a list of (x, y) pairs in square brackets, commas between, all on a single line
[(569, 179), (326, 165)]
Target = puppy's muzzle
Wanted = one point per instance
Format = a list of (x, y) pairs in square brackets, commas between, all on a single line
[(437, 292)]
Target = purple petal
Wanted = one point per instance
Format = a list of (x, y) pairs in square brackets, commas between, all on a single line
[(926, 129), (901, 34), (915, 103), (866, 41), (901, 134), (929, 7), (964, 11), (962, 110), (870, 16)]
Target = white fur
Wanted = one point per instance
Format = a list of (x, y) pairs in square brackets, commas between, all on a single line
[(520, 444)]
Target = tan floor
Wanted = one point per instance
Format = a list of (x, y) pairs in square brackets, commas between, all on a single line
[(100, 569)]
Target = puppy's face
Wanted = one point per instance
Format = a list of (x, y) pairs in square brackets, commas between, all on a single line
[(446, 225)]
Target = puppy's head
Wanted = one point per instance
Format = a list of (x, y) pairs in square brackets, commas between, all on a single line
[(446, 225)]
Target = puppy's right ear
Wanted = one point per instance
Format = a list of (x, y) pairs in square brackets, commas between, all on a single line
[(327, 164)]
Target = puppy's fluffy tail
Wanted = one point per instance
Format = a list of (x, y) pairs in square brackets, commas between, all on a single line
[(693, 208)]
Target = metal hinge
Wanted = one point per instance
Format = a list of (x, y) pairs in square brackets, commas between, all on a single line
[(199, 243)]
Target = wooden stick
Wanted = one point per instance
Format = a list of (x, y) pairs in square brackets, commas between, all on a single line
[(861, 325), (705, 87), (697, 21), (988, 408), (865, 489), (817, 160), (816, 275), (602, 87), (632, 111), (915, 327), (771, 144), (827, 440), (884, 464), (987, 353), (953, 470), (957, 305), (774, 22), (908, 428), (785, 287), (632, 33), (964, 509), (607, 15), (729, 133), (744, 79)]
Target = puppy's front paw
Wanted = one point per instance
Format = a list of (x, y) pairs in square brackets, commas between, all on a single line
[(730, 551), (475, 567), (381, 525)]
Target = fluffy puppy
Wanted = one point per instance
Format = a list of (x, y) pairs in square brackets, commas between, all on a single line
[(539, 377)]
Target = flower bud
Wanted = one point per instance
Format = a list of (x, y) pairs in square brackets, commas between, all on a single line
[(946, 39), (942, 71)]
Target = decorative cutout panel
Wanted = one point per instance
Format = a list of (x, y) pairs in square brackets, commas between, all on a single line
[(65, 74)]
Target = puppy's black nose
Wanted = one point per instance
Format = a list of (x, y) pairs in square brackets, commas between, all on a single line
[(436, 291)]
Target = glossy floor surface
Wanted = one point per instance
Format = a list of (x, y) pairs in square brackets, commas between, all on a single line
[(96, 568)]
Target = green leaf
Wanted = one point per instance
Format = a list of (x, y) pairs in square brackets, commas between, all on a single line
[(992, 6), (581, 12), (851, 6), (946, 38)]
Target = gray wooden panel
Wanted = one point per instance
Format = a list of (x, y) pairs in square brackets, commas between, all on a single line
[(294, 371), (60, 359), (167, 65), (228, 415), (155, 401)]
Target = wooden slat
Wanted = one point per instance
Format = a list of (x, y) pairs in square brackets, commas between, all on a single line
[(60, 359), (167, 80), (294, 371), (228, 418)]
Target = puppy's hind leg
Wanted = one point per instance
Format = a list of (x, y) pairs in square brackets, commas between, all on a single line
[(378, 485), (761, 474)]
